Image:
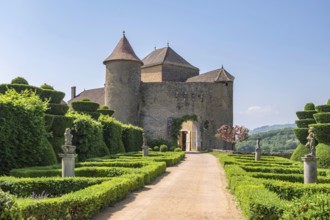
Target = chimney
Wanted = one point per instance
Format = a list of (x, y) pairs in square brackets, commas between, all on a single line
[(73, 92)]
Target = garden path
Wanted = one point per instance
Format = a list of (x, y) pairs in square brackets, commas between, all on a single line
[(195, 190)]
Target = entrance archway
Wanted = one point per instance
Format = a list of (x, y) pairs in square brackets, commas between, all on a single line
[(189, 139)]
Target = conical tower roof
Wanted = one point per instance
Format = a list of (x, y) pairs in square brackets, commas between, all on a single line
[(123, 51)]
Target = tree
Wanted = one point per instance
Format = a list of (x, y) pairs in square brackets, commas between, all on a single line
[(232, 134)]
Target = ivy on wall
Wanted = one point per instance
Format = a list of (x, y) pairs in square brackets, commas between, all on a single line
[(177, 125)]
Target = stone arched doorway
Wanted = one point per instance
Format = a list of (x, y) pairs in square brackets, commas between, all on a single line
[(189, 138)]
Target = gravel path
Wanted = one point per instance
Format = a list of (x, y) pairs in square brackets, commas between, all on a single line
[(194, 190)]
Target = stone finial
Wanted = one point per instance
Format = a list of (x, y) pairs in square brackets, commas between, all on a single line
[(311, 141), (123, 32)]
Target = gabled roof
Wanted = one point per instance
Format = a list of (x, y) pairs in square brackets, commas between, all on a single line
[(218, 75), (165, 55), (123, 51), (95, 95)]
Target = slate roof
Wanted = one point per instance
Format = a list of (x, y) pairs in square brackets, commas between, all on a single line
[(95, 95), (123, 51), (165, 55), (218, 75)]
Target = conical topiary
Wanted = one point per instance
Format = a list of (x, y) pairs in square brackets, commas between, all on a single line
[(305, 118)]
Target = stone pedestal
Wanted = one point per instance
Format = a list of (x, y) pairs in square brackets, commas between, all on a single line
[(68, 164), (145, 151), (310, 169), (258, 154)]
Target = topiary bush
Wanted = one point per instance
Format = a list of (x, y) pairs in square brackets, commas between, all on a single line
[(163, 148), (301, 134), (305, 114), (156, 148), (104, 110), (19, 80), (323, 108), (9, 209), (303, 123), (132, 137), (309, 106), (323, 153), (322, 132), (112, 134), (22, 132), (323, 117), (88, 137), (57, 109), (299, 152), (53, 96), (46, 86), (177, 149), (85, 106)]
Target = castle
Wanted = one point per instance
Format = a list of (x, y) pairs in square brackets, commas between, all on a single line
[(155, 92)]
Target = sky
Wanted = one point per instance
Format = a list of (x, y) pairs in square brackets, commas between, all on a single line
[(278, 51)]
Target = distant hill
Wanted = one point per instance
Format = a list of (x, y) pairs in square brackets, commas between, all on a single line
[(271, 128), (281, 140)]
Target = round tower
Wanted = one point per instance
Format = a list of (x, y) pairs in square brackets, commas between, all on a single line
[(122, 82)]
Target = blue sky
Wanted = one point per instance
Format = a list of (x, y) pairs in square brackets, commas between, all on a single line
[(279, 51)]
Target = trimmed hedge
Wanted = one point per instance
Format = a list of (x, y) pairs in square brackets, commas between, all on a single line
[(132, 137), (19, 80), (322, 132), (299, 152), (323, 153), (57, 109), (323, 108), (88, 137), (309, 106), (112, 134), (301, 134), (85, 106), (305, 114), (303, 123), (108, 112), (323, 117), (56, 186), (52, 95), (59, 124), (22, 132)]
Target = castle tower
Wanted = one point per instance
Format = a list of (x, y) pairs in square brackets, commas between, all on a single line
[(122, 82)]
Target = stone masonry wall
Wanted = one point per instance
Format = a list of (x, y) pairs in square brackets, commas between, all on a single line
[(151, 74), (211, 102), (177, 73)]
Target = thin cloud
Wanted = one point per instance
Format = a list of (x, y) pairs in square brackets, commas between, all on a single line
[(261, 111)]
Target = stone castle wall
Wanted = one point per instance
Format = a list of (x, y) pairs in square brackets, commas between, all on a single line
[(177, 73), (211, 102)]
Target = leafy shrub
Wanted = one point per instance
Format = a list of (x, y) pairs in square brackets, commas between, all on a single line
[(112, 134), (59, 124), (132, 137), (309, 106), (323, 153), (8, 207), (22, 131), (299, 152), (46, 86), (88, 137), (163, 148), (85, 106), (323, 108), (57, 109), (305, 114), (315, 206), (19, 80), (156, 148), (177, 149), (323, 117)]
